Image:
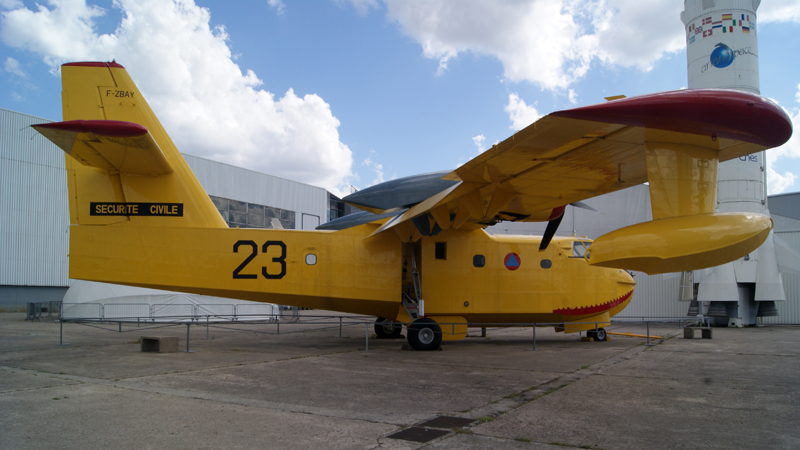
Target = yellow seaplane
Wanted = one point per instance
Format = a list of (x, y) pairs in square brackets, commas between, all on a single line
[(418, 254)]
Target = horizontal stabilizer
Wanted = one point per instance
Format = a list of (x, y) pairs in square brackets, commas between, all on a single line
[(115, 146)]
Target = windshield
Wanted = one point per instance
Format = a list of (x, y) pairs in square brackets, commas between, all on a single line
[(579, 248)]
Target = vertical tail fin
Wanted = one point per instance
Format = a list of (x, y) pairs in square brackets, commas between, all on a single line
[(122, 167)]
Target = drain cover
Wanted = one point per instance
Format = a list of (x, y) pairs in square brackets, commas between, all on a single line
[(418, 434), (447, 422)]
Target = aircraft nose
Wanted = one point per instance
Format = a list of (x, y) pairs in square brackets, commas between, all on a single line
[(625, 277)]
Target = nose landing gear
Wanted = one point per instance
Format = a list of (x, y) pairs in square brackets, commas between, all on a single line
[(599, 335)]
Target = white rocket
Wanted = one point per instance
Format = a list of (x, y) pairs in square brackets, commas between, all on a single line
[(722, 52)]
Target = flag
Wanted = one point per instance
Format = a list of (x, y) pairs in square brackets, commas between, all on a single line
[(727, 17), (745, 30), (707, 33)]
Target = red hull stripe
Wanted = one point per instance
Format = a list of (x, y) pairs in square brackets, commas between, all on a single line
[(728, 114), (593, 309), (113, 128)]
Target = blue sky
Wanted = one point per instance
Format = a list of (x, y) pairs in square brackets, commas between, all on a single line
[(337, 93)]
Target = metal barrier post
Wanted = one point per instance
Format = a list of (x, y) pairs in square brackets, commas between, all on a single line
[(534, 338), (206, 327), (648, 334), (340, 326), (120, 326), (278, 324), (61, 332), (366, 336), (187, 336)]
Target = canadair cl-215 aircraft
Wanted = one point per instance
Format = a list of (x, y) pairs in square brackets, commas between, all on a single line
[(419, 254)]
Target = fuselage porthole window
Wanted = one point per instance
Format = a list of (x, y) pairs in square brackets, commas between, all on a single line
[(478, 260)]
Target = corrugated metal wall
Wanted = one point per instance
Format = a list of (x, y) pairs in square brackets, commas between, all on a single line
[(223, 180), (34, 214), (655, 296), (790, 309)]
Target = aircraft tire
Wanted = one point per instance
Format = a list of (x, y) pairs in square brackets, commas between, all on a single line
[(600, 335), (388, 329), (424, 335)]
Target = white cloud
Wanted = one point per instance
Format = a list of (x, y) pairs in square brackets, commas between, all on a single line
[(185, 70), (10, 4), (12, 66), (551, 43), (363, 7), (779, 11), (573, 97), (777, 183), (375, 167), (520, 113), (636, 33), (479, 141), (278, 5), (791, 148)]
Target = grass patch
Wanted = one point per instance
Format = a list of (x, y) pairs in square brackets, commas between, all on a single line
[(485, 419)]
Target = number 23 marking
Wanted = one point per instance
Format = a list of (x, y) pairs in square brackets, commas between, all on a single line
[(237, 273)]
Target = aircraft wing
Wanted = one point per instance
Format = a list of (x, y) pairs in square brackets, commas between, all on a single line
[(572, 155)]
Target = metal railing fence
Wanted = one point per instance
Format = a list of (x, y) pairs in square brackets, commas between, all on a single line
[(171, 313), (328, 321)]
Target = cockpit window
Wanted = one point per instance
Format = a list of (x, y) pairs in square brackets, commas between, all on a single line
[(579, 248)]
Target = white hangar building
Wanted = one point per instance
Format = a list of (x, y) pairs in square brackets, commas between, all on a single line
[(34, 222)]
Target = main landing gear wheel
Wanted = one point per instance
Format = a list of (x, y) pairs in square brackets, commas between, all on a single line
[(599, 335), (387, 329), (424, 334)]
